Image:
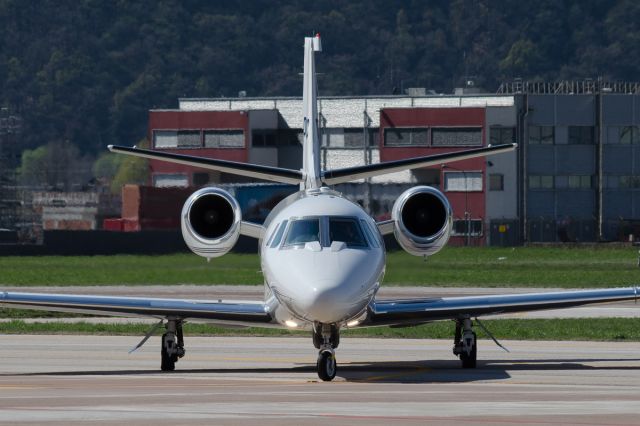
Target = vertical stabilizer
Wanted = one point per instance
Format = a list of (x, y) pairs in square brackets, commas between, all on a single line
[(311, 143)]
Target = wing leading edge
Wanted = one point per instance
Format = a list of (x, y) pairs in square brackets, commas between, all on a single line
[(275, 174), (408, 312), (239, 313), (333, 177)]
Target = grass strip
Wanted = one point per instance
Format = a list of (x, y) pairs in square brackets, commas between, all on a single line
[(596, 329), (583, 267)]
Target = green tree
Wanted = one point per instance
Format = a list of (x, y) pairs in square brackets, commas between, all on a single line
[(106, 167), (33, 167), (131, 170), (521, 60), (55, 166)]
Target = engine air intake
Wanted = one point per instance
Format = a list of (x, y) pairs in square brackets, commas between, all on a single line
[(211, 216), (422, 220), (424, 214), (211, 220)]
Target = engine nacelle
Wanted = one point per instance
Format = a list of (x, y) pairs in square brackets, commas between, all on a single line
[(211, 219), (422, 220)]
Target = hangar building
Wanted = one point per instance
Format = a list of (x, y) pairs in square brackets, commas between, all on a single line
[(574, 176)]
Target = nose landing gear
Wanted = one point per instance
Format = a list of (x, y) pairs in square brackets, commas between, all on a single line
[(326, 339)]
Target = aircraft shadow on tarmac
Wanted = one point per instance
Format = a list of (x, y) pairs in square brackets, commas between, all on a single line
[(428, 371)]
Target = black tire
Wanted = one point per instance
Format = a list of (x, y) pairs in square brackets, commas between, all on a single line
[(327, 366), (167, 363), (470, 361)]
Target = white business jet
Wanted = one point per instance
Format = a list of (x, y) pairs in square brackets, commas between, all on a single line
[(322, 256)]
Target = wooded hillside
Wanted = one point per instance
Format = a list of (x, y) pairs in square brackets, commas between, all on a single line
[(87, 71)]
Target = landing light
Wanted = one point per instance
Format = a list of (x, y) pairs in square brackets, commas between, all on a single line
[(291, 324), (353, 323)]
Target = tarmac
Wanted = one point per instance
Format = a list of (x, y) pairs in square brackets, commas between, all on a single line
[(268, 381)]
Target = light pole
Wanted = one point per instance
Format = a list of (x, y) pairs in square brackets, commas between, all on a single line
[(467, 214)]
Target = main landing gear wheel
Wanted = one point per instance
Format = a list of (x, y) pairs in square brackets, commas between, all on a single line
[(469, 359), (172, 346), (465, 343), (167, 361), (327, 366)]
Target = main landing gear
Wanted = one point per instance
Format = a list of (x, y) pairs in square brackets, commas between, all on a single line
[(326, 338), (465, 343), (172, 345)]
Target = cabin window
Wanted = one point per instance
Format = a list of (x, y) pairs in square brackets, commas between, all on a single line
[(303, 231), (347, 231)]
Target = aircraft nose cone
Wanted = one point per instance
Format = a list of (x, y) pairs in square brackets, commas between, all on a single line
[(327, 303)]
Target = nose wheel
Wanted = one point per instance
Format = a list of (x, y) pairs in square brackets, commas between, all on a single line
[(326, 365), (326, 338)]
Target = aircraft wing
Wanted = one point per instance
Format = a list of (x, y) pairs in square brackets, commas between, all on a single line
[(411, 312), (333, 177), (232, 313), (275, 174)]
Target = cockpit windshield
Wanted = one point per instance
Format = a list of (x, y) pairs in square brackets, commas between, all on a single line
[(346, 230), (303, 231), (325, 230)]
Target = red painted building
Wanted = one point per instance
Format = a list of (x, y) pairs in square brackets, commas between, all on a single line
[(214, 134), (414, 132), (267, 131)]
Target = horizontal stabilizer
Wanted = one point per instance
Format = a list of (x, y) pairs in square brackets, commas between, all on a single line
[(274, 174), (333, 177)]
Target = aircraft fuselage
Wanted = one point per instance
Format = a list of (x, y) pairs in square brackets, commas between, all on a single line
[(323, 259)]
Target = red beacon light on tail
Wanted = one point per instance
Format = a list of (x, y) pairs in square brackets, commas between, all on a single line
[(317, 45)]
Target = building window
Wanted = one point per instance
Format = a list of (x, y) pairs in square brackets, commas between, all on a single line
[(165, 139), (354, 138), (629, 135), (263, 138), (463, 181), (200, 178), (581, 135), (631, 182), (189, 139), (580, 182), (228, 138), (177, 139), (612, 182), (289, 137), (373, 137), (351, 138), (540, 182), (471, 227), (496, 182), (335, 138), (502, 135), (398, 136), (569, 182), (541, 135), (426, 176), (456, 136), (167, 180)]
